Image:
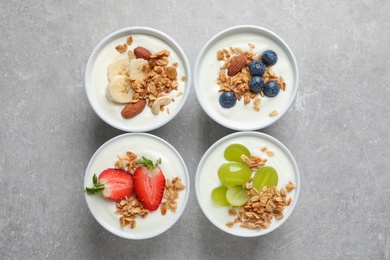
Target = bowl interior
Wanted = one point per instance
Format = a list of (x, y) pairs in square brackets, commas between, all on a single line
[(151, 147), (96, 78), (207, 178), (207, 67)]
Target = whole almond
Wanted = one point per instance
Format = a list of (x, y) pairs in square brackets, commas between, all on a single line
[(236, 65), (142, 53), (133, 109)]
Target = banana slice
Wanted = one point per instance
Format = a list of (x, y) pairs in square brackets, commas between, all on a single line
[(135, 69), (119, 66), (119, 89)]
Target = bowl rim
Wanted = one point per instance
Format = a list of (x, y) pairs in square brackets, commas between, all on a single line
[(219, 36), (179, 212), (258, 135), (140, 30)]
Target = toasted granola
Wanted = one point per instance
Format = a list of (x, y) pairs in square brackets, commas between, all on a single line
[(160, 79), (262, 207), (130, 208), (121, 47), (255, 162), (128, 162), (171, 194)]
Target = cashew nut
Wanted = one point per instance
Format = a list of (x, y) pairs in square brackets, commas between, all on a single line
[(161, 101)]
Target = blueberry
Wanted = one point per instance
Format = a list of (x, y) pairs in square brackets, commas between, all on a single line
[(271, 89), (256, 84), (256, 68), (269, 57), (227, 99)]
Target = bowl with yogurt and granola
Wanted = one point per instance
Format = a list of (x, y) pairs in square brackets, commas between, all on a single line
[(247, 184), (246, 77), (136, 186), (137, 79)]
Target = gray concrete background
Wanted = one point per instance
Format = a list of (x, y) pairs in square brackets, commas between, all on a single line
[(337, 129)]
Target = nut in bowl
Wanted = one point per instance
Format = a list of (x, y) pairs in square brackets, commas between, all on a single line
[(137, 79), (118, 186), (246, 78), (247, 184)]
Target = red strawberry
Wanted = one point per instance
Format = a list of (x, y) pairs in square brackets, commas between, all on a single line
[(149, 183), (113, 184)]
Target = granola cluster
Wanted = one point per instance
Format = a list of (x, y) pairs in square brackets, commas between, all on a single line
[(255, 162), (171, 194), (130, 208), (239, 83), (160, 78), (262, 207), (128, 162)]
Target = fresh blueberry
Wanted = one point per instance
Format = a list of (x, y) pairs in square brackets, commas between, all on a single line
[(271, 89), (256, 84), (227, 99), (269, 57), (256, 68)]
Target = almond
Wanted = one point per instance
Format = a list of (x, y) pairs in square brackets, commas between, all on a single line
[(133, 109), (236, 65), (142, 53)]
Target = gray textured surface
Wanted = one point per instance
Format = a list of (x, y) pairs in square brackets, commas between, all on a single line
[(337, 128)]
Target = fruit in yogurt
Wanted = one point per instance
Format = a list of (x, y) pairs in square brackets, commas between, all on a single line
[(256, 84), (265, 176), (227, 99), (114, 184), (233, 173), (119, 66), (234, 151), (256, 68), (149, 183), (119, 89), (269, 57), (218, 195), (236, 195), (137, 70), (271, 88)]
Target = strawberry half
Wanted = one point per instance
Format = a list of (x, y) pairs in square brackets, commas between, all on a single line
[(149, 183), (114, 184)]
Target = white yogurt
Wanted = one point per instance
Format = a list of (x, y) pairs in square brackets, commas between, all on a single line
[(152, 148), (244, 117), (207, 177), (96, 79)]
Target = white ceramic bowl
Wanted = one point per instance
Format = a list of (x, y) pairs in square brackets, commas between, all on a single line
[(96, 78), (207, 178), (151, 147), (243, 117)]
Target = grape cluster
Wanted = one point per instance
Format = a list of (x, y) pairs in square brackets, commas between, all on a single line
[(235, 174)]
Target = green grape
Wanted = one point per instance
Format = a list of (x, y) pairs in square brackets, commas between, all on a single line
[(218, 195), (234, 151), (233, 173), (236, 195), (265, 176)]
